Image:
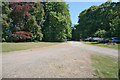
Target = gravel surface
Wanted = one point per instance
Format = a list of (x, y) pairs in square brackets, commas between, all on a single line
[(96, 49), (67, 60)]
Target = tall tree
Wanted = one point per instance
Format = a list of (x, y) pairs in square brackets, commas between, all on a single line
[(57, 25), (23, 16), (103, 20)]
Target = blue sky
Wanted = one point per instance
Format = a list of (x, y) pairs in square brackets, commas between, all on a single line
[(77, 7)]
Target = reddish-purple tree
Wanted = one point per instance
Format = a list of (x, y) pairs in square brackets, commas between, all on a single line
[(21, 36), (19, 15), (20, 11), (26, 18)]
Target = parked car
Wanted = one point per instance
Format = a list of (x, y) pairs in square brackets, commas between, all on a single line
[(106, 40), (95, 39), (115, 40), (101, 40), (112, 38), (88, 39)]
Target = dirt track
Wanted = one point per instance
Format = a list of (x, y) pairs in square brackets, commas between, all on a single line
[(67, 60)]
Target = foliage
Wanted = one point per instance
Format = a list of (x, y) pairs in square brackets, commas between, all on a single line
[(99, 21), (20, 11), (57, 25), (50, 20), (75, 34), (34, 28), (21, 36), (100, 33), (20, 18), (6, 20)]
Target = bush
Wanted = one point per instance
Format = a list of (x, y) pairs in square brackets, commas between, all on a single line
[(3, 39), (21, 36)]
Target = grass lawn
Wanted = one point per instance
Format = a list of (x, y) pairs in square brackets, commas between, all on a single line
[(8, 47), (106, 67), (103, 45)]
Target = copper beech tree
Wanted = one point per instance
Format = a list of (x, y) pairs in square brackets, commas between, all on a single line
[(24, 24)]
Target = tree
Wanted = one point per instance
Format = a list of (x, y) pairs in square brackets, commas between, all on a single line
[(34, 28), (22, 21), (115, 27), (75, 33), (99, 21), (6, 21), (100, 33), (57, 25), (30, 21)]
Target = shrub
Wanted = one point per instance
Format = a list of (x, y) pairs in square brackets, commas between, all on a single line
[(21, 36)]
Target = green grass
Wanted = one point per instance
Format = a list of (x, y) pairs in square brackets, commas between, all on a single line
[(106, 67), (103, 45), (8, 47)]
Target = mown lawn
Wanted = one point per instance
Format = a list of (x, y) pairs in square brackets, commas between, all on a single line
[(103, 45), (8, 47), (106, 67)]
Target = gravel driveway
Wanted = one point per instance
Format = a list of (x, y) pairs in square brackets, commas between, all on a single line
[(67, 60)]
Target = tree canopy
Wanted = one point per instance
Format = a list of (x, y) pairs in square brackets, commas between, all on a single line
[(50, 21), (57, 25), (99, 21), (35, 21)]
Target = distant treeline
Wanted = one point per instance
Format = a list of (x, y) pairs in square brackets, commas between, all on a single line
[(98, 21), (35, 21)]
